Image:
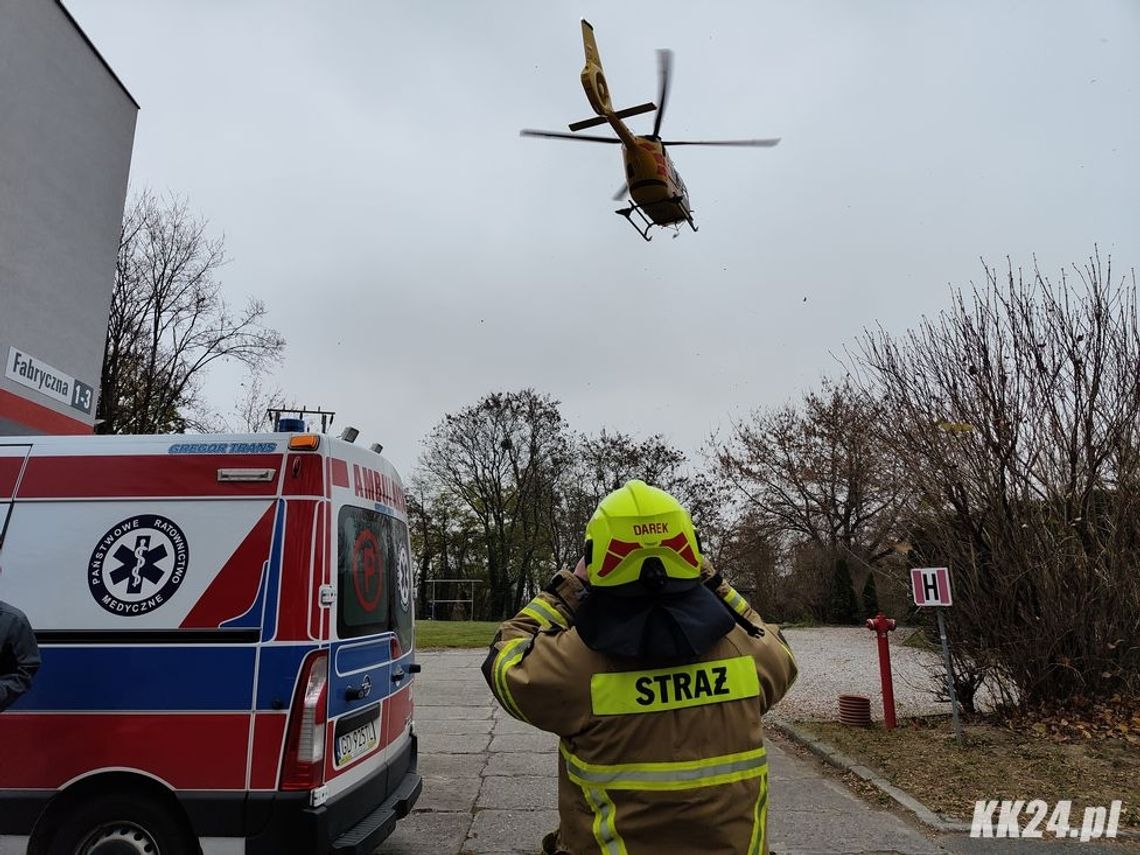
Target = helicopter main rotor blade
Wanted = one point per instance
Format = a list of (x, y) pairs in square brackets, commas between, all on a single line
[(620, 194), (752, 143), (664, 72), (558, 135)]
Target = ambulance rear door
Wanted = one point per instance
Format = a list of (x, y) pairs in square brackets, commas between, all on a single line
[(370, 657)]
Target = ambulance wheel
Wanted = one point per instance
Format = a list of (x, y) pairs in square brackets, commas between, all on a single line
[(120, 825)]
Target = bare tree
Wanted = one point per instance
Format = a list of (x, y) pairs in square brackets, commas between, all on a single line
[(602, 462), (495, 459), (1017, 421), (168, 321), (251, 411), (447, 544), (816, 482)]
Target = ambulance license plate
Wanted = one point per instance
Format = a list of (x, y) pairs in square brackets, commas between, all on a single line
[(356, 735)]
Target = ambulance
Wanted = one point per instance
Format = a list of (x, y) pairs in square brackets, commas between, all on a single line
[(227, 632)]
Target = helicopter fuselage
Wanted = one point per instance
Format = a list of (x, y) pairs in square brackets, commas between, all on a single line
[(654, 183), (653, 180)]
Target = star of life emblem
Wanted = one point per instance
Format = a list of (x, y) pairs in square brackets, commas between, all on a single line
[(404, 577), (138, 565)]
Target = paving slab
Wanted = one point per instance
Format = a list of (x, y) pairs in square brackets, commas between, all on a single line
[(536, 742), (453, 697), (428, 712), (445, 793), (509, 831), (529, 792), (522, 763), (506, 724), (455, 743), (428, 833), (451, 726), (452, 765)]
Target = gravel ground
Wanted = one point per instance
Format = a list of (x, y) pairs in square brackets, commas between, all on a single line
[(844, 660)]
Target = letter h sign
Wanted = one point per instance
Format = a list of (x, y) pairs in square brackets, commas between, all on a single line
[(930, 586)]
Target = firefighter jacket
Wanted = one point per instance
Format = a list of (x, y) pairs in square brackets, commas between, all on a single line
[(654, 757)]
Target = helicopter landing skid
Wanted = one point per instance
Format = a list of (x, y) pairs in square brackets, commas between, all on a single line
[(628, 214)]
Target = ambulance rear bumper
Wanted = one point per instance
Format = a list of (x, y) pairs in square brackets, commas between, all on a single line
[(351, 824), (370, 832)]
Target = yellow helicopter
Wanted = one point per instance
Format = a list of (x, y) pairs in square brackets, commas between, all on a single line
[(658, 195)]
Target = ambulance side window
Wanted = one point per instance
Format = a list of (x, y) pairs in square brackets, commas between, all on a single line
[(364, 555), (400, 580)]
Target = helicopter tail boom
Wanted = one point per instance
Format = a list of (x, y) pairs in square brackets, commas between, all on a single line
[(593, 77)]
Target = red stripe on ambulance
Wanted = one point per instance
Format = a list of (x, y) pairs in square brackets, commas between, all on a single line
[(399, 713), (304, 476), (297, 571), (169, 747), (234, 588), (268, 736), (320, 572), (128, 476), (9, 474), (338, 472)]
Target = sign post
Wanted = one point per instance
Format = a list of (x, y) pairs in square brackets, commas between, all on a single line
[(930, 586)]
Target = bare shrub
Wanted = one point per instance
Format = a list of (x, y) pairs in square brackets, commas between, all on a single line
[(1015, 421)]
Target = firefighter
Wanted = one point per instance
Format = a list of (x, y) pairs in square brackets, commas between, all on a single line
[(654, 673)]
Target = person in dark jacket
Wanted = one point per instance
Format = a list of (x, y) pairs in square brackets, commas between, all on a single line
[(19, 655)]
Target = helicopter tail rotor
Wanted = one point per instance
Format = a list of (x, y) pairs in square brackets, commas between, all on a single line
[(647, 107)]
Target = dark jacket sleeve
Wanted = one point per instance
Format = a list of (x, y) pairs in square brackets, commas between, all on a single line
[(18, 648)]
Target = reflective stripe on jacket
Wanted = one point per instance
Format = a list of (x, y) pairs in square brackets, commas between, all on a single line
[(654, 756)]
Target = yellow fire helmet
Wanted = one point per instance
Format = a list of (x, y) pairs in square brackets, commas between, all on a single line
[(637, 522)]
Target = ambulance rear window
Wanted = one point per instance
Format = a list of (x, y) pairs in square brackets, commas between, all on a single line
[(374, 573)]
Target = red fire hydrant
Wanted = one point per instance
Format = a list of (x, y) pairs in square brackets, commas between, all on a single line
[(880, 624)]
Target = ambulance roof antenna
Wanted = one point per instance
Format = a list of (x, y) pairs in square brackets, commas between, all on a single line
[(327, 416)]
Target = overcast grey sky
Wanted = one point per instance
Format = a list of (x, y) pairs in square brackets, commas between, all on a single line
[(364, 163)]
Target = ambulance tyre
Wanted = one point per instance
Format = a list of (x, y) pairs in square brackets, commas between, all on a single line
[(120, 823)]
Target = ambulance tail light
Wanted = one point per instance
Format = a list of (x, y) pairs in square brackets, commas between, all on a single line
[(304, 765)]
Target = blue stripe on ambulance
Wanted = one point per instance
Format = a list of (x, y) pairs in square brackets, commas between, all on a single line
[(353, 655), (256, 613), (277, 673), (269, 626), (178, 677), (365, 659)]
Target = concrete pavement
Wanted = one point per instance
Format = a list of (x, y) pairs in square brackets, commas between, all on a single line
[(490, 786)]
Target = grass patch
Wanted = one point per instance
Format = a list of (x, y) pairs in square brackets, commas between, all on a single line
[(918, 641), (922, 757), (454, 633)]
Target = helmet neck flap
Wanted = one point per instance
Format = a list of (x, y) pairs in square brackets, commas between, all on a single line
[(667, 626)]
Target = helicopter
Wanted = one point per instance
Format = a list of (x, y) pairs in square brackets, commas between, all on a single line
[(657, 194)]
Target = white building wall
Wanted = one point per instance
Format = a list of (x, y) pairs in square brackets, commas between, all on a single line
[(66, 130)]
